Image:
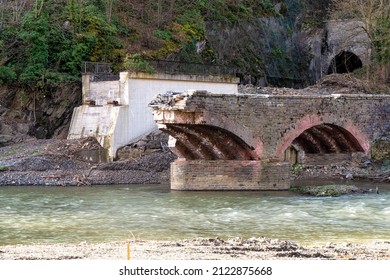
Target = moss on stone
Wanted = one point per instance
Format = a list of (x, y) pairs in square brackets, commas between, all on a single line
[(327, 190), (381, 150)]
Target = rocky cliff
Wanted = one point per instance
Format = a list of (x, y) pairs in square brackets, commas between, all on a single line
[(25, 114)]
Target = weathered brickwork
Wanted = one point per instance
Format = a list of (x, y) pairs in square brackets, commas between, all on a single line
[(325, 159), (229, 175), (276, 121)]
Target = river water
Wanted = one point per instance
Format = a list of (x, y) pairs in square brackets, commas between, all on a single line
[(110, 213)]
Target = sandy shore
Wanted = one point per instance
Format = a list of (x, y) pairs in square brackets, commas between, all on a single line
[(198, 249)]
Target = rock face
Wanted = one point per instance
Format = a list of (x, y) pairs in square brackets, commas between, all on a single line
[(12, 132), (284, 52), (268, 51), (41, 115)]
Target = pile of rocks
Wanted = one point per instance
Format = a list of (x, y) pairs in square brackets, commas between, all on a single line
[(60, 162)]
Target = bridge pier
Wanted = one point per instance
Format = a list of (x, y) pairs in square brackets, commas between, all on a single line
[(229, 175)]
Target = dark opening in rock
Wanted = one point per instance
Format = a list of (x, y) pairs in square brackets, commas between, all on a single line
[(345, 62)]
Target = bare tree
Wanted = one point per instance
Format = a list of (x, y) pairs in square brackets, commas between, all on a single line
[(375, 15), (369, 11), (161, 12), (38, 7), (2, 6), (11, 11), (109, 5)]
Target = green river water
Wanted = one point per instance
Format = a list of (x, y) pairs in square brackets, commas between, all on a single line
[(110, 213)]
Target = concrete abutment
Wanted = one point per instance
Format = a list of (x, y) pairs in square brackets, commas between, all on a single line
[(116, 112)]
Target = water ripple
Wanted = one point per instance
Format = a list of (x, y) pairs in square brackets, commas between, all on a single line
[(42, 214)]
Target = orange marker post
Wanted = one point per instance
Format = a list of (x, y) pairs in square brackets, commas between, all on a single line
[(128, 251)]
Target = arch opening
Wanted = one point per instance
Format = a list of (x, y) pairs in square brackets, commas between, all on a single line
[(327, 139), (195, 142), (291, 155), (345, 62)]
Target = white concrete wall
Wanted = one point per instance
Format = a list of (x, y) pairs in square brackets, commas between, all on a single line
[(142, 88), (100, 91), (116, 126), (103, 91)]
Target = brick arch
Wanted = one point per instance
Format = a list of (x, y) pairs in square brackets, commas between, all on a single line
[(351, 137), (208, 142), (237, 129)]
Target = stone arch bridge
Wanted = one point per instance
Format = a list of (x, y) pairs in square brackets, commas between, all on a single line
[(249, 141)]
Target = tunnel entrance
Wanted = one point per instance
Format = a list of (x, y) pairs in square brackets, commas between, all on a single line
[(344, 62)]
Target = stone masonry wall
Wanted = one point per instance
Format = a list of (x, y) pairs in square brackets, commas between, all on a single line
[(276, 121), (325, 159), (269, 123), (229, 175)]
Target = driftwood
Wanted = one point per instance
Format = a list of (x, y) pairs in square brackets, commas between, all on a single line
[(52, 176), (382, 177), (82, 181)]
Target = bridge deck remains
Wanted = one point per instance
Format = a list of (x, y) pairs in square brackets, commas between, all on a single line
[(250, 141)]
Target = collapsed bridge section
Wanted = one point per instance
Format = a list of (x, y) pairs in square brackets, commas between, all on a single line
[(250, 141)]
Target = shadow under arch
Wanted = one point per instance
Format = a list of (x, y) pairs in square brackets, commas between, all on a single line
[(344, 62), (314, 135), (327, 139), (200, 141)]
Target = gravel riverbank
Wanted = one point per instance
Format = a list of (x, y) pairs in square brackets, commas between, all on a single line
[(199, 249), (56, 162)]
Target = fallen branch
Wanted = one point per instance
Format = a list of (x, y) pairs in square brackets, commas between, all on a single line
[(52, 176), (4, 60)]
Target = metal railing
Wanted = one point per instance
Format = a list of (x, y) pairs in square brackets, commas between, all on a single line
[(178, 67), (99, 71), (104, 71), (96, 68)]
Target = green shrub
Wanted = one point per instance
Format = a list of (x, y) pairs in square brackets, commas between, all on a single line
[(3, 168), (296, 168), (134, 62), (7, 74)]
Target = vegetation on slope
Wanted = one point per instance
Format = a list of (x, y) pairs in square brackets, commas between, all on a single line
[(47, 42), (43, 42)]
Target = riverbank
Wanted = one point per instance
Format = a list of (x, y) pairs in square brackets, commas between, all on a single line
[(198, 249), (61, 162)]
